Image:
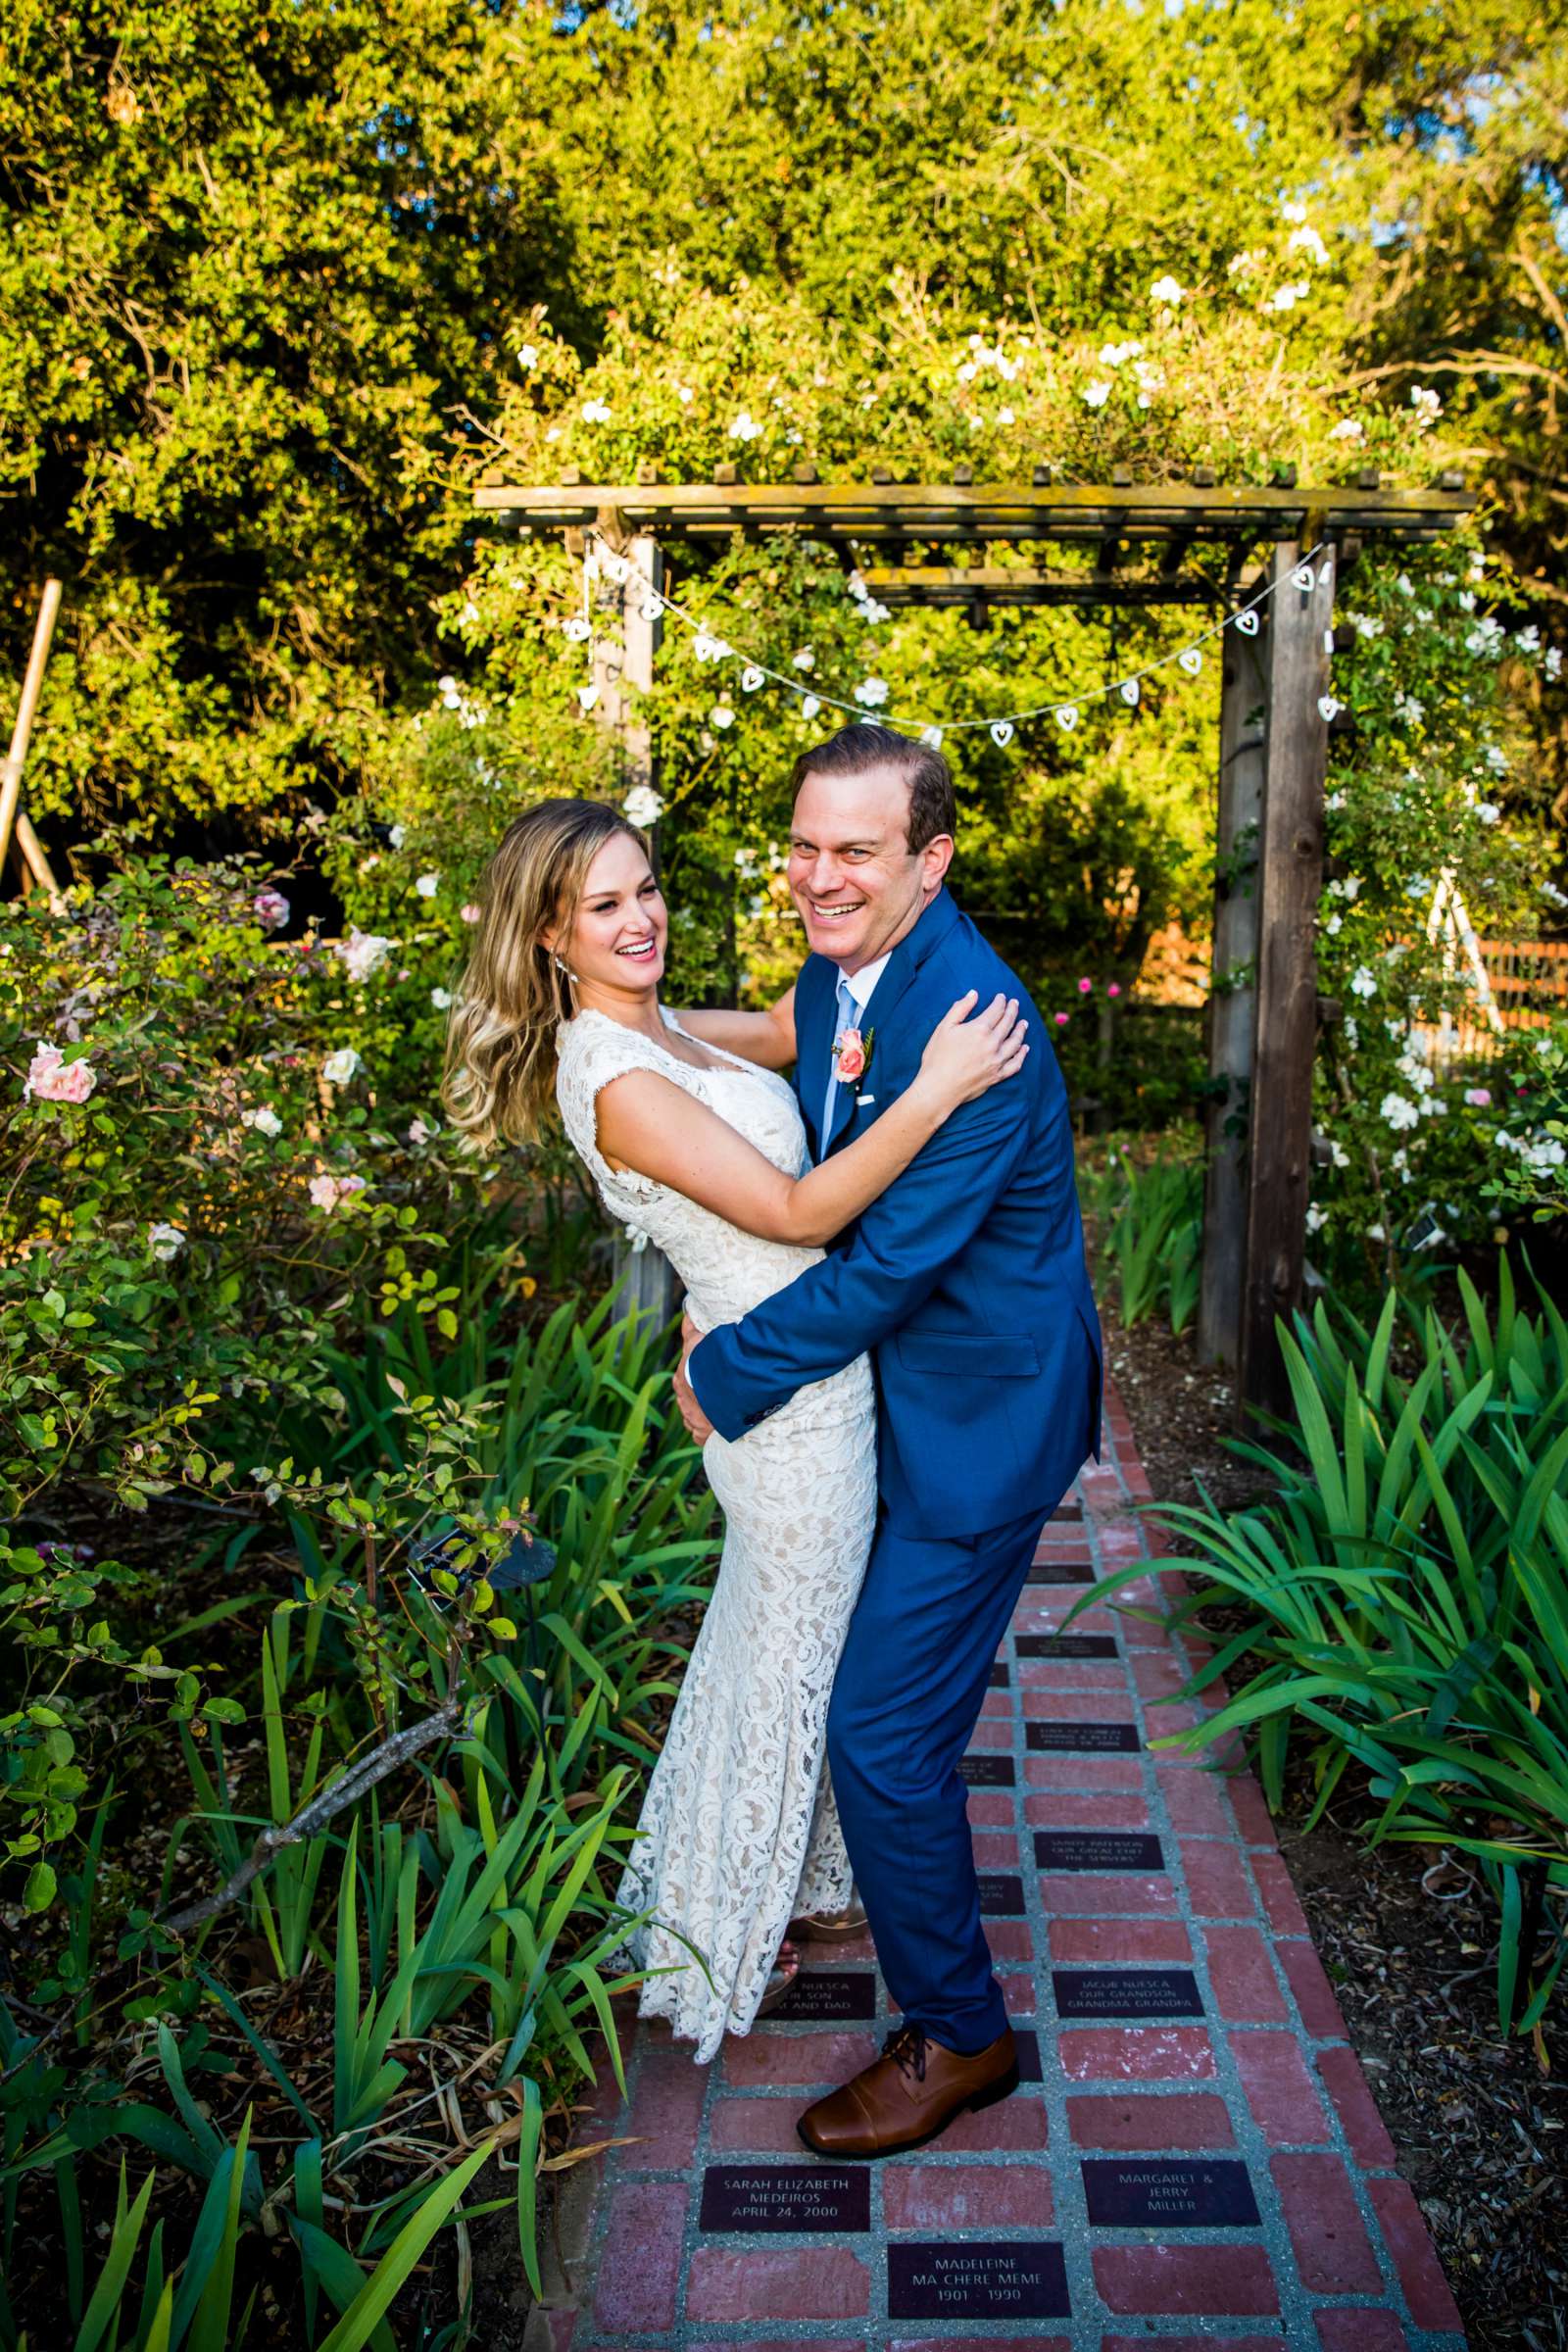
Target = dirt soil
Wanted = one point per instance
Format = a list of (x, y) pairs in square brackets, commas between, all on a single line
[(1410, 1938)]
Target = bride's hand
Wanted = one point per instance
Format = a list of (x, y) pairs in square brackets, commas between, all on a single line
[(965, 1057)]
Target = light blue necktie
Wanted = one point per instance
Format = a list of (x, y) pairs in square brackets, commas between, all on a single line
[(848, 1017)]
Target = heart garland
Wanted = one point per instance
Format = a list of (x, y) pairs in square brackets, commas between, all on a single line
[(708, 647)]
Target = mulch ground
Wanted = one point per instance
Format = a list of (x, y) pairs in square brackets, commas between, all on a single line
[(1410, 1940)]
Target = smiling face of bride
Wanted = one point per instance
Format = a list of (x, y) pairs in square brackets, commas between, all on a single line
[(614, 944)]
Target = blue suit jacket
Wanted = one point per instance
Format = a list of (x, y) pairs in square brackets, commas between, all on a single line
[(965, 1280)]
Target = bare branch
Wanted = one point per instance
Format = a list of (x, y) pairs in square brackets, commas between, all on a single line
[(371, 1767)]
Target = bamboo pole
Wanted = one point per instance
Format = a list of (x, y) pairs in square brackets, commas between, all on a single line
[(20, 733)]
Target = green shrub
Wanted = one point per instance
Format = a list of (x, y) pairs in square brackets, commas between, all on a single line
[(1405, 1598)]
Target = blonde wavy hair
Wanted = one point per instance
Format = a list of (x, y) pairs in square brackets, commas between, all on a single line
[(500, 1074)]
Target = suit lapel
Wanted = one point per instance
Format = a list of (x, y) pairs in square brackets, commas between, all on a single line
[(813, 1037)]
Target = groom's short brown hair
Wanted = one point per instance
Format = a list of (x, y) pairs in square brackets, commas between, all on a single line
[(933, 810)]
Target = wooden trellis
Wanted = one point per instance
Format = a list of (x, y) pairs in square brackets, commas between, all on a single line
[(1124, 544)]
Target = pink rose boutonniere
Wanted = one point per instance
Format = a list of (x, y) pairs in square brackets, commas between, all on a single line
[(852, 1055)]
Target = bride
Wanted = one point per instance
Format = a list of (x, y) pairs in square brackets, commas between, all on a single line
[(695, 1140)]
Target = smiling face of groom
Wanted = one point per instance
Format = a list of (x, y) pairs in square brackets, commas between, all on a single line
[(856, 872)]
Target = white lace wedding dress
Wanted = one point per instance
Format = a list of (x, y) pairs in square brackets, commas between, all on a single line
[(739, 1830)]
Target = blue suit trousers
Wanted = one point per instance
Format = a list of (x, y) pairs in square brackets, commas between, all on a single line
[(931, 1616)]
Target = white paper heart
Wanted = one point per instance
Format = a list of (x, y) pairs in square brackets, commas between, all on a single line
[(576, 628), (1192, 660), (752, 678), (1329, 707), (1246, 622), (1328, 641), (1067, 715), (614, 567), (931, 737), (587, 696), (1001, 730), (1305, 576), (652, 606), (1129, 690), (810, 706), (721, 715)]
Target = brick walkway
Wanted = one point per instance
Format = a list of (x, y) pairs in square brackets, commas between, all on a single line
[(1196, 2157)]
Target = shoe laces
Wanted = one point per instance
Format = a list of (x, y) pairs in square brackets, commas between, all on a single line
[(906, 2050)]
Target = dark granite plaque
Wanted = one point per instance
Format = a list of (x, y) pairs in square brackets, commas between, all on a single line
[(1060, 1572), (1083, 1739), (1069, 1510), (984, 1768), (1097, 1850), (999, 1677), (785, 2197), (973, 2280), (1065, 1646), (1142, 2193), (1001, 1895), (824, 1992), (1027, 2045), (1082, 1992)]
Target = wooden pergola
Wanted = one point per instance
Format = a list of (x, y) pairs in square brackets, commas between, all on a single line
[(1117, 544)]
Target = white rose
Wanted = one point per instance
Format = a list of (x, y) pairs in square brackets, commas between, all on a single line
[(166, 1241), (266, 1122), (427, 885), (340, 1069)]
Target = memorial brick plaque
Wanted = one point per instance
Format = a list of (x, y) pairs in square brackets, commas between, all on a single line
[(1000, 1677), (824, 1992), (1001, 1895), (985, 1768), (1065, 1646), (1069, 1510), (1059, 1572), (797, 2197), (1083, 1739), (973, 2280), (1027, 2045), (1123, 2192), (1089, 1992), (1097, 1850)]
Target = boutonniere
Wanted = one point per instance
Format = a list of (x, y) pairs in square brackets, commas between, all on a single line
[(852, 1055)]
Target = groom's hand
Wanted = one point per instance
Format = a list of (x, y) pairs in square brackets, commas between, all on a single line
[(690, 1413)]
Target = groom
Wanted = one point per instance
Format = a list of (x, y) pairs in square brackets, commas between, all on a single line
[(966, 1281)]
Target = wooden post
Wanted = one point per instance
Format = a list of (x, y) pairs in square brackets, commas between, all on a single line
[(26, 708), (623, 671), (1242, 702), (1285, 1032)]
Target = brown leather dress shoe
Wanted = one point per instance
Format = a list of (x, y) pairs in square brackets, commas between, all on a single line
[(908, 2094)]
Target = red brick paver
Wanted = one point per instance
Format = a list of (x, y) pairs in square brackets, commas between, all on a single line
[(1185, 2048)]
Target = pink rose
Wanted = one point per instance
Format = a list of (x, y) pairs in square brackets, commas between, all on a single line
[(1084, 987), (470, 913), (270, 910), (1478, 1097), (329, 1191), (849, 1053), (53, 1079), (1115, 990), (1061, 1020)]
